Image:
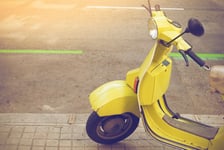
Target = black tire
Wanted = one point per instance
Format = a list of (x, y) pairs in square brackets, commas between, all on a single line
[(111, 129)]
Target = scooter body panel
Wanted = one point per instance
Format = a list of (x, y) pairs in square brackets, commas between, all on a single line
[(156, 81), (156, 125), (114, 98), (217, 143)]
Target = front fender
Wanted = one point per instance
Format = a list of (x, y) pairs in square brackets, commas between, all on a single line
[(114, 98)]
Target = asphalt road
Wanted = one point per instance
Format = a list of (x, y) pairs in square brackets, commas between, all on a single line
[(113, 39)]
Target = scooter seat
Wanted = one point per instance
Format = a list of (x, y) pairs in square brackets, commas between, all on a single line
[(217, 79)]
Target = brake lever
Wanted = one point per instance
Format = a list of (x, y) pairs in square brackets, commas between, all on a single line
[(182, 52)]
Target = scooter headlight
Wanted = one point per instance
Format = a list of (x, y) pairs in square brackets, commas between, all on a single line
[(153, 31)]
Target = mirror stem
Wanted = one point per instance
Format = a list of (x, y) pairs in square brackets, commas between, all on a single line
[(186, 31)]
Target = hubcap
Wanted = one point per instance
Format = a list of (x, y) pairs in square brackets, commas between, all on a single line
[(114, 127)]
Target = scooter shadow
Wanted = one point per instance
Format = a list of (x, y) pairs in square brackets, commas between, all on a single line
[(137, 144), (117, 146)]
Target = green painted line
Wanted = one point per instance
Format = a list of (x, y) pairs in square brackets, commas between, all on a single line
[(37, 51), (205, 56), (208, 56)]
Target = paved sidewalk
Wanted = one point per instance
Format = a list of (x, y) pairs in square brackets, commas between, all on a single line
[(67, 132)]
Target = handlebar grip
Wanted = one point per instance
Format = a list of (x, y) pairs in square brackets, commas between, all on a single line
[(197, 59)]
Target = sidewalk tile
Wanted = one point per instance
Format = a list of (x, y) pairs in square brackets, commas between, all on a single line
[(52, 142), (28, 135), (2, 140), (39, 142), (51, 148), (104, 147), (30, 129), (66, 129), (55, 129), (24, 147), (66, 136), (13, 141), (40, 135), (3, 137), (118, 146), (17, 129), (5, 128), (82, 148), (25, 141), (89, 143), (65, 148), (79, 128), (15, 135), (10, 147), (42, 129), (89, 148), (78, 143), (65, 143), (53, 135), (38, 148)]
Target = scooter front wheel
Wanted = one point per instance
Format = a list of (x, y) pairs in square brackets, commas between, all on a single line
[(111, 129)]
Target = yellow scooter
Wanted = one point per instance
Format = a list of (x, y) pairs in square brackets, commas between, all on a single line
[(118, 105)]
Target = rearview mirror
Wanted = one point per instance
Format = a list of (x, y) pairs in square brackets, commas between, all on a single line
[(195, 27)]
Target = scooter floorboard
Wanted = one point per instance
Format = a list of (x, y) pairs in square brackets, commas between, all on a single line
[(199, 129)]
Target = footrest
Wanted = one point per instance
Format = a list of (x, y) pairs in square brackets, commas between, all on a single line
[(198, 129)]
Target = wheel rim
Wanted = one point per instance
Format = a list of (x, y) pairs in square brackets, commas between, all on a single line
[(114, 126)]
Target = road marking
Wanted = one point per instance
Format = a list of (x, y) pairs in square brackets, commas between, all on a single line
[(205, 56), (129, 8), (35, 51)]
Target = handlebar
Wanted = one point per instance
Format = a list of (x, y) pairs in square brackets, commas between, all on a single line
[(195, 57)]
